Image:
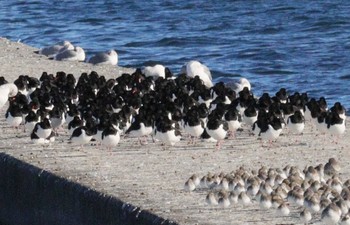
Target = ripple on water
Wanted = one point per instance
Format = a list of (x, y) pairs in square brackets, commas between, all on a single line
[(261, 40)]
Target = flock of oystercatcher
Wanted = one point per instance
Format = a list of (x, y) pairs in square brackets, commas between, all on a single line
[(153, 102)]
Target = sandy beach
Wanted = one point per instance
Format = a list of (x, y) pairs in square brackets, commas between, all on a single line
[(152, 176)]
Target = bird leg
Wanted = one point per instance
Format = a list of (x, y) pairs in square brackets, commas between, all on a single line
[(218, 145), (232, 134)]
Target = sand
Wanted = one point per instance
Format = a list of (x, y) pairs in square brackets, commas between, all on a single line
[(152, 176)]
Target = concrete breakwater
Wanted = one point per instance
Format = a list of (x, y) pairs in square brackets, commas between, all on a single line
[(30, 195)]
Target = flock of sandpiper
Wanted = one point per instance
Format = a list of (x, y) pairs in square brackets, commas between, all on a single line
[(317, 192)]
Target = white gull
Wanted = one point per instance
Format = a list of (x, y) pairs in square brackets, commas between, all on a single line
[(109, 57), (77, 54)]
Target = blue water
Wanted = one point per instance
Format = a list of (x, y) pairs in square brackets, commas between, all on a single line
[(300, 45)]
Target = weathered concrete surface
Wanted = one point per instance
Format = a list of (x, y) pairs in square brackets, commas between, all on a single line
[(30, 195), (19, 59), (152, 177)]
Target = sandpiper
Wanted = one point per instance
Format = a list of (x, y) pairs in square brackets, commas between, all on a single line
[(306, 216), (312, 203), (345, 220), (190, 185), (265, 201), (211, 199), (233, 198), (283, 209), (224, 200), (331, 214), (332, 167), (244, 198)]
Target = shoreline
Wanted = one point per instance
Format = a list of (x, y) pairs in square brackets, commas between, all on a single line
[(152, 177)]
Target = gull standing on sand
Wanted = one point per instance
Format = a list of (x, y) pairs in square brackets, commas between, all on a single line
[(243, 82), (195, 68), (157, 71), (154, 71), (7, 91), (77, 54), (109, 57), (52, 50)]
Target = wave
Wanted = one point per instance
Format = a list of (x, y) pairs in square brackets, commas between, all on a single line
[(270, 71)]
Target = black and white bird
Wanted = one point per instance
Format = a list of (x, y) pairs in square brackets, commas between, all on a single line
[(57, 117), (141, 127), (250, 115), (335, 124), (296, 122), (339, 109), (42, 141), (81, 136), (234, 120), (30, 120), (14, 116), (167, 131), (320, 123), (75, 123), (43, 129), (193, 125), (110, 137), (217, 129), (271, 129)]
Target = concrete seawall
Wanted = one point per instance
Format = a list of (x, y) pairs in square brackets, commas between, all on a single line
[(30, 195)]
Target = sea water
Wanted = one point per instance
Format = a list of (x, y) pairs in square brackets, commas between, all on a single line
[(303, 46)]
